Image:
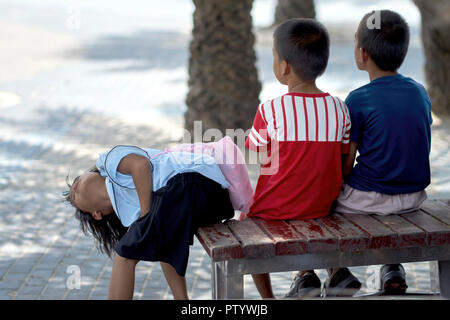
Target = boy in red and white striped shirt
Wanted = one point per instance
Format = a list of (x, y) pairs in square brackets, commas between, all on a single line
[(304, 133)]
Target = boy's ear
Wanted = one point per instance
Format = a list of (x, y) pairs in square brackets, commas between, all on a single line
[(97, 215), (364, 55), (285, 68)]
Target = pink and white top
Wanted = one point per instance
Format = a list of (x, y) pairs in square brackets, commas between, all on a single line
[(231, 162)]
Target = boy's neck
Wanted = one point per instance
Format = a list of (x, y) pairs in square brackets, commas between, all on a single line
[(375, 73), (299, 86)]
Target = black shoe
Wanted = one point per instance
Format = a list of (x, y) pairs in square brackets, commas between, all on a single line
[(342, 284), (392, 279), (307, 285)]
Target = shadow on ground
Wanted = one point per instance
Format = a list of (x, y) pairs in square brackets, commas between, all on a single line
[(141, 50)]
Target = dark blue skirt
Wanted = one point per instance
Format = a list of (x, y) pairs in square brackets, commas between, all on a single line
[(187, 202)]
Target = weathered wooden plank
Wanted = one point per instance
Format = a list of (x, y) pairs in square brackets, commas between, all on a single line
[(437, 233), (380, 236), (254, 242), (287, 240), (350, 238), (408, 234), (437, 209), (259, 238), (219, 242), (318, 238)]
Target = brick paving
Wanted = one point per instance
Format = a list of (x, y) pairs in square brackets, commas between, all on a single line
[(70, 112)]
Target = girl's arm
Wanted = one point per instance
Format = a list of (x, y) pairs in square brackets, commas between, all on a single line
[(349, 159), (139, 168)]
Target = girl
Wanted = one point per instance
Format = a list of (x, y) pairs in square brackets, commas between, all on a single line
[(145, 204)]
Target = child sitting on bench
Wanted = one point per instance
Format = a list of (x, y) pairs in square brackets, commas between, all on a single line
[(304, 133), (391, 119)]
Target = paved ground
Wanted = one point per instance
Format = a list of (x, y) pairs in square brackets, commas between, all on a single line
[(69, 92)]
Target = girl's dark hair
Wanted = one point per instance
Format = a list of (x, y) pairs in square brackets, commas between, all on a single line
[(107, 232)]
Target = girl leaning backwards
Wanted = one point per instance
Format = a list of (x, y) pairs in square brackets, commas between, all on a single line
[(145, 204)]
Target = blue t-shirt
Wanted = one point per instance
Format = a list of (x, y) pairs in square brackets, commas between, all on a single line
[(121, 189), (391, 119)]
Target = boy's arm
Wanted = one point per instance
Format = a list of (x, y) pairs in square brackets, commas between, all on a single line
[(349, 158), (352, 103), (258, 138), (139, 168)]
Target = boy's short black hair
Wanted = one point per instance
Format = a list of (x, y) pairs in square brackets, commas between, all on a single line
[(385, 37), (305, 44)]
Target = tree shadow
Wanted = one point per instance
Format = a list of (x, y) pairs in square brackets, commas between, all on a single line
[(141, 50)]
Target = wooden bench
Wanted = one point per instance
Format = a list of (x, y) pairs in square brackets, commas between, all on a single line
[(339, 240)]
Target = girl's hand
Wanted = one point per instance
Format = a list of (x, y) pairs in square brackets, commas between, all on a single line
[(139, 168)]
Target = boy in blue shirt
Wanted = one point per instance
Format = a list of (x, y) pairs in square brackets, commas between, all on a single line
[(391, 119)]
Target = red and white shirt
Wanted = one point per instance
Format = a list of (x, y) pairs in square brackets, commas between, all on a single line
[(304, 137)]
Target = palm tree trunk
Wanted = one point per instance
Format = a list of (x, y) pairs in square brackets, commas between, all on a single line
[(223, 81), (287, 9), (436, 42)]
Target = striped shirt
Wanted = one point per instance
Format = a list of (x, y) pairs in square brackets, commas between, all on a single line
[(304, 137)]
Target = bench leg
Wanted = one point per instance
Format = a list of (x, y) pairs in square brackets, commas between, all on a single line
[(216, 281), (444, 278), (225, 286), (434, 277)]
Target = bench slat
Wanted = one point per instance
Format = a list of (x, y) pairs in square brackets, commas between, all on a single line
[(319, 239), (257, 238), (438, 209), (381, 237), (287, 240), (219, 242), (350, 237), (437, 233), (254, 242), (408, 234)]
